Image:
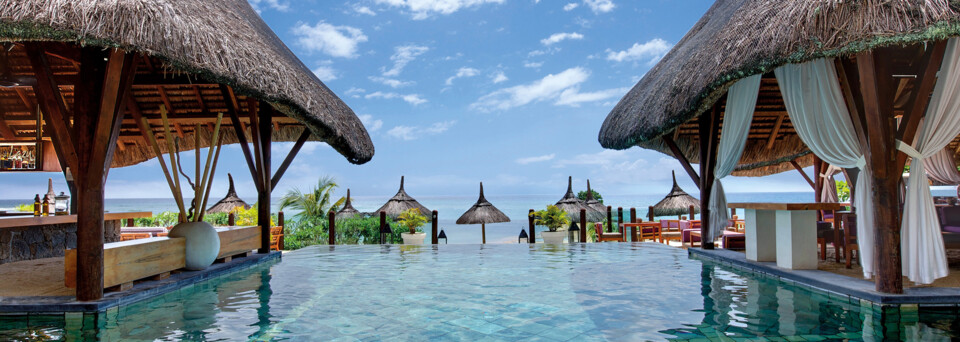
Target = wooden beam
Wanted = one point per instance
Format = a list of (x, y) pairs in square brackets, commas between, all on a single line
[(22, 93), (926, 80), (5, 130), (48, 95), (776, 130), (232, 111), (290, 156), (880, 154), (264, 196), (255, 135), (683, 159), (166, 102), (709, 124), (196, 92), (804, 174)]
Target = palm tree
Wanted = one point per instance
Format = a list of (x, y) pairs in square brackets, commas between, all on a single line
[(314, 204)]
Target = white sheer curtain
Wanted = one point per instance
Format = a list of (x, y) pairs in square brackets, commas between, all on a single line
[(741, 101), (921, 243), (942, 167), (819, 114)]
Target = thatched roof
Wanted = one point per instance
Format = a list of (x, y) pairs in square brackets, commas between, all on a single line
[(677, 202), (190, 49), (230, 201), (482, 212), (739, 38), (402, 202), (593, 202), (347, 211), (572, 205)]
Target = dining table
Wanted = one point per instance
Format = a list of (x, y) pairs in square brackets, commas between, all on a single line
[(785, 233)]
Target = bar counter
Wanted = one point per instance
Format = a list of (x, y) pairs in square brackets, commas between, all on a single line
[(32, 237)]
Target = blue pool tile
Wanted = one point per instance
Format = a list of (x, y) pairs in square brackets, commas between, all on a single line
[(477, 325)]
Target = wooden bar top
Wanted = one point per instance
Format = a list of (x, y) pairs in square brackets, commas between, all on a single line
[(29, 221), (789, 206)]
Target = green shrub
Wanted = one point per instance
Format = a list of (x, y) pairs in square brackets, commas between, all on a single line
[(553, 218), (411, 219), (304, 231)]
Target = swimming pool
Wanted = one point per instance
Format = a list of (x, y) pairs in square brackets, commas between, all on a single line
[(583, 292)]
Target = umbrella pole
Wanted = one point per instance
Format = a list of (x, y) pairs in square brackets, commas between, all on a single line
[(483, 231)]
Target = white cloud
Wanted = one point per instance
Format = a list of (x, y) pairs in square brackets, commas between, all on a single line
[(559, 37), (325, 71), (549, 87), (414, 132), (393, 83), (571, 97), (402, 56), (413, 99), (499, 77), (532, 65), (364, 10), (570, 6), (423, 9), (461, 73), (546, 51), (370, 123), (274, 4), (355, 92), (336, 41), (537, 159), (600, 6), (651, 50)]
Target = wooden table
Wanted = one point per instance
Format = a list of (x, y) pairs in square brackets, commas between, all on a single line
[(783, 232), (29, 221), (634, 236)]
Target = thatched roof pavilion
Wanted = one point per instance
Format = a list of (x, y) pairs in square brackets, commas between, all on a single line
[(228, 202), (593, 202), (676, 203), (876, 66), (402, 202), (482, 213), (347, 211), (572, 205)]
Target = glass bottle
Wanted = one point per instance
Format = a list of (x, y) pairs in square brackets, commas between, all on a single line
[(36, 205), (45, 207)]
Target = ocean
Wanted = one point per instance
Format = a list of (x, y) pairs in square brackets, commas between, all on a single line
[(451, 207)]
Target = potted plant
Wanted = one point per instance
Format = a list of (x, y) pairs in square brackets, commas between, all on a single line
[(412, 219), (554, 219)]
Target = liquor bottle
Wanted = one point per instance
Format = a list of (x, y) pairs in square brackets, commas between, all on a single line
[(45, 207), (36, 205)]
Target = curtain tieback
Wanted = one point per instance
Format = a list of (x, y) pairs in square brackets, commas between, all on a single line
[(861, 162), (909, 150)]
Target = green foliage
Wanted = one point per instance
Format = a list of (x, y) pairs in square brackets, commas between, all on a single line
[(412, 219), (553, 218), (303, 232), (843, 191), (163, 219), (24, 207), (313, 204), (216, 219), (582, 195), (249, 217)]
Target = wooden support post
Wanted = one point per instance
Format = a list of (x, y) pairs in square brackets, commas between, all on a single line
[(609, 219), (289, 159), (583, 225), (433, 228), (280, 222), (683, 159), (263, 200), (231, 219), (881, 157), (650, 213), (130, 222), (709, 124), (533, 231), (818, 168), (332, 228), (633, 219), (620, 220), (693, 213), (383, 224), (233, 112)]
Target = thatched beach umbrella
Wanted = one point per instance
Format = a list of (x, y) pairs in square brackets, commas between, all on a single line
[(677, 202), (230, 201), (348, 211), (402, 202), (572, 205), (482, 213), (593, 202)]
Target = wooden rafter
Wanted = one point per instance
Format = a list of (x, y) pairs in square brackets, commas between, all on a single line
[(926, 80), (232, 111), (683, 159), (804, 174), (290, 156), (776, 130), (48, 94)]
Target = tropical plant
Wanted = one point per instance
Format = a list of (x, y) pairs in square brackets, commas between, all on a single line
[(411, 219), (249, 217), (553, 218), (582, 195), (843, 191), (24, 207), (299, 233), (315, 203)]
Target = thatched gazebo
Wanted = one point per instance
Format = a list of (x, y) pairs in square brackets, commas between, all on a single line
[(676, 203), (482, 213), (402, 202), (347, 211), (229, 202), (593, 202), (103, 71), (875, 64), (572, 205)]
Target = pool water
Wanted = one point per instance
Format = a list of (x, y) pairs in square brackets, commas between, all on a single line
[(583, 292)]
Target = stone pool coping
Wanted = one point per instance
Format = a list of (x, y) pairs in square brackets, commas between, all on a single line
[(52, 305), (833, 284)]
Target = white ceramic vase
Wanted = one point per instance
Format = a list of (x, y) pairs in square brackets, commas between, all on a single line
[(203, 243), (413, 239), (553, 237)]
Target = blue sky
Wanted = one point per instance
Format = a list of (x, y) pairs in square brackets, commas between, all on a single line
[(453, 92)]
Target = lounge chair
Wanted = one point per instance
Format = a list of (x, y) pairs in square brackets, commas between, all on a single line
[(687, 230), (276, 238), (670, 230), (733, 240), (604, 236), (850, 238), (949, 218), (824, 236)]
